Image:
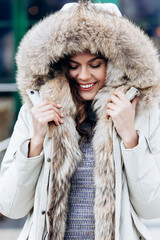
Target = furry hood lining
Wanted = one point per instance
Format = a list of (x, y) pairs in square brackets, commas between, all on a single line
[(132, 58)]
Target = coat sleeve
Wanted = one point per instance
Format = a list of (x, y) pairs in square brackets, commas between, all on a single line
[(19, 174), (142, 167)]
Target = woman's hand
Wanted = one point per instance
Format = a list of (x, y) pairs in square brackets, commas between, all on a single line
[(42, 114), (122, 113)]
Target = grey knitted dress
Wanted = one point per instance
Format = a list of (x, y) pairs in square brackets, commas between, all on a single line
[(80, 219)]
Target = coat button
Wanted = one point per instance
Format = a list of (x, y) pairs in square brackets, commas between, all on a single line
[(48, 160), (43, 212), (32, 92)]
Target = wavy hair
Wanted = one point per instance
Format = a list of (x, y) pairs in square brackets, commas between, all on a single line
[(83, 106)]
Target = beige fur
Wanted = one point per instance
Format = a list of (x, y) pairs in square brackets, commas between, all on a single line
[(132, 61)]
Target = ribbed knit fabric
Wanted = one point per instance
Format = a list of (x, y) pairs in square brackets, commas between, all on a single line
[(80, 219)]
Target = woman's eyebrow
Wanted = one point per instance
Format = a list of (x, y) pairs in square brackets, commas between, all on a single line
[(95, 58), (72, 61)]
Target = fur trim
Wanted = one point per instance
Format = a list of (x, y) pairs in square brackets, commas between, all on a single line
[(66, 154), (132, 61)]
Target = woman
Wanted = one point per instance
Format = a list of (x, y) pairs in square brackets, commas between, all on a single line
[(83, 163)]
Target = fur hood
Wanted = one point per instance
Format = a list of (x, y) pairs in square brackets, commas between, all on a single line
[(132, 61), (132, 58)]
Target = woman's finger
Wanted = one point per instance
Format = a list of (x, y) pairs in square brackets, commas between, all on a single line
[(46, 102), (109, 113), (120, 95), (134, 102), (51, 107), (111, 106), (113, 99), (46, 106), (49, 116)]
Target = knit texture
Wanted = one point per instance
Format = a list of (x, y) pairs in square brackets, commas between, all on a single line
[(80, 219)]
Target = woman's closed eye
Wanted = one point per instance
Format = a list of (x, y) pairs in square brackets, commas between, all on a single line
[(95, 65), (73, 66)]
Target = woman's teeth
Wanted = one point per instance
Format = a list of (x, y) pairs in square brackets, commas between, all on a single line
[(87, 85)]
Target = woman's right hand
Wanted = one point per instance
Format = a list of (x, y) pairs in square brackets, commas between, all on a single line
[(42, 114)]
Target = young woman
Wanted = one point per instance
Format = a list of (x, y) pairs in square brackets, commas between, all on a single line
[(83, 160)]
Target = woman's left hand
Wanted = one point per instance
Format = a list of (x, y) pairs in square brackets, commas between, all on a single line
[(122, 113)]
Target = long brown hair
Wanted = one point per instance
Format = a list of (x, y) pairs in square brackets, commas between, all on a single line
[(83, 106)]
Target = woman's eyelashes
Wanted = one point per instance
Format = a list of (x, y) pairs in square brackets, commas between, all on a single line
[(74, 67), (95, 65)]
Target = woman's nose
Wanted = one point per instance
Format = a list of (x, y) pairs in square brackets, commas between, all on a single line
[(84, 74)]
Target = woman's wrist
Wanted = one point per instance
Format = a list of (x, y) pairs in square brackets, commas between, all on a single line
[(131, 140), (35, 146)]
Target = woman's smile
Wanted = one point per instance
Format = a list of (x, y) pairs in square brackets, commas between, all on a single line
[(86, 87)]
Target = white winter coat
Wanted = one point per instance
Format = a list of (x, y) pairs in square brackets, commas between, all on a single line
[(26, 185), (24, 182)]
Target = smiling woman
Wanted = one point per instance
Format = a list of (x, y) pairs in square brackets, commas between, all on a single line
[(89, 73), (83, 160)]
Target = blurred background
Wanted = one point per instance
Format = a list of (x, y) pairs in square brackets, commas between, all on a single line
[(16, 17)]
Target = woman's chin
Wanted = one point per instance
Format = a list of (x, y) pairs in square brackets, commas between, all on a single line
[(87, 97)]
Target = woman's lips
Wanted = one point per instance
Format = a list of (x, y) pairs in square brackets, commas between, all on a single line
[(86, 87)]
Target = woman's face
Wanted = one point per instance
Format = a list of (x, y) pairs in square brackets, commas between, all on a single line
[(89, 72)]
